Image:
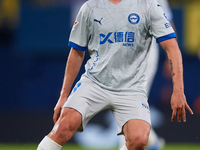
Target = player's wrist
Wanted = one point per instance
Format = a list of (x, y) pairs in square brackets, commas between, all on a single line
[(178, 89), (64, 95), (178, 86)]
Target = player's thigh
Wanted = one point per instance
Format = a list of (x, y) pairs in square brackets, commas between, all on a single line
[(136, 129), (88, 99)]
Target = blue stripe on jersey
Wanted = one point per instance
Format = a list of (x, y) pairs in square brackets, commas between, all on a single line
[(166, 37), (74, 45)]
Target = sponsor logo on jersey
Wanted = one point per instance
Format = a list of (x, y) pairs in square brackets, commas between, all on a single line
[(158, 5), (127, 38), (165, 16), (167, 25), (99, 21), (133, 18)]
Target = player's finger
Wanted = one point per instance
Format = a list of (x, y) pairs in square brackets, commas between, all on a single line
[(183, 114), (173, 115), (179, 113), (55, 117), (189, 109)]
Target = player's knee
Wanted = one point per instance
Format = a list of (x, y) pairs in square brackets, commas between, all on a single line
[(65, 131), (138, 142)]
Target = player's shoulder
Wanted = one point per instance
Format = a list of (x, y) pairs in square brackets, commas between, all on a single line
[(164, 3), (146, 4), (94, 3), (86, 7), (151, 4)]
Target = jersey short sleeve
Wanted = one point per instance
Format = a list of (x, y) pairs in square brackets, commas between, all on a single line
[(165, 5), (80, 31), (160, 28)]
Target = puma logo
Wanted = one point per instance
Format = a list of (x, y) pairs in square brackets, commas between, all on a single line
[(99, 21)]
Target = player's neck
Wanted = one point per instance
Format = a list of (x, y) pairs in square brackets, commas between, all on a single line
[(115, 1)]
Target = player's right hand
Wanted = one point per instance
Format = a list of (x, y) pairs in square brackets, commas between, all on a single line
[(58, 108)]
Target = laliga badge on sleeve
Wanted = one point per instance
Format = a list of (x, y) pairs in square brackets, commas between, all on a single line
[(75, 24)]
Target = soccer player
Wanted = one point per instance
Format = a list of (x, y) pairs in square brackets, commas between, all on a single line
[(118, 34)]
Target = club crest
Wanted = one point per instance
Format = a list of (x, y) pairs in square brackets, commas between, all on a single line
[(133, 18)]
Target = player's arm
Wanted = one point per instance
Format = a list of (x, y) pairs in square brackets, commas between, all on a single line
[(166, 67), (73, 65), (78, 40), (178, 99)]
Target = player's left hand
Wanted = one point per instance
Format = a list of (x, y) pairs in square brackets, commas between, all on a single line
[(178, 105)]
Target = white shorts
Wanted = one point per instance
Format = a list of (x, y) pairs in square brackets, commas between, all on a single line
[(88, 98)]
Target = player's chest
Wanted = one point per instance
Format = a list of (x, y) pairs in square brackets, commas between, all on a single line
[(113, 20)]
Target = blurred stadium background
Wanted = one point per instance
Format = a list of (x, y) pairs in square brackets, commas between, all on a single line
[(33, 53)]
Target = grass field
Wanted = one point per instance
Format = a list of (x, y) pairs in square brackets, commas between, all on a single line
[(180, 146)]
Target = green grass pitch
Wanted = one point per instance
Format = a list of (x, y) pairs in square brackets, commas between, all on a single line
[(181, 146)]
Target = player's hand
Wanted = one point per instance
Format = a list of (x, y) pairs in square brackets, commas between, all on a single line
[(178, 105), (58, 108)]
